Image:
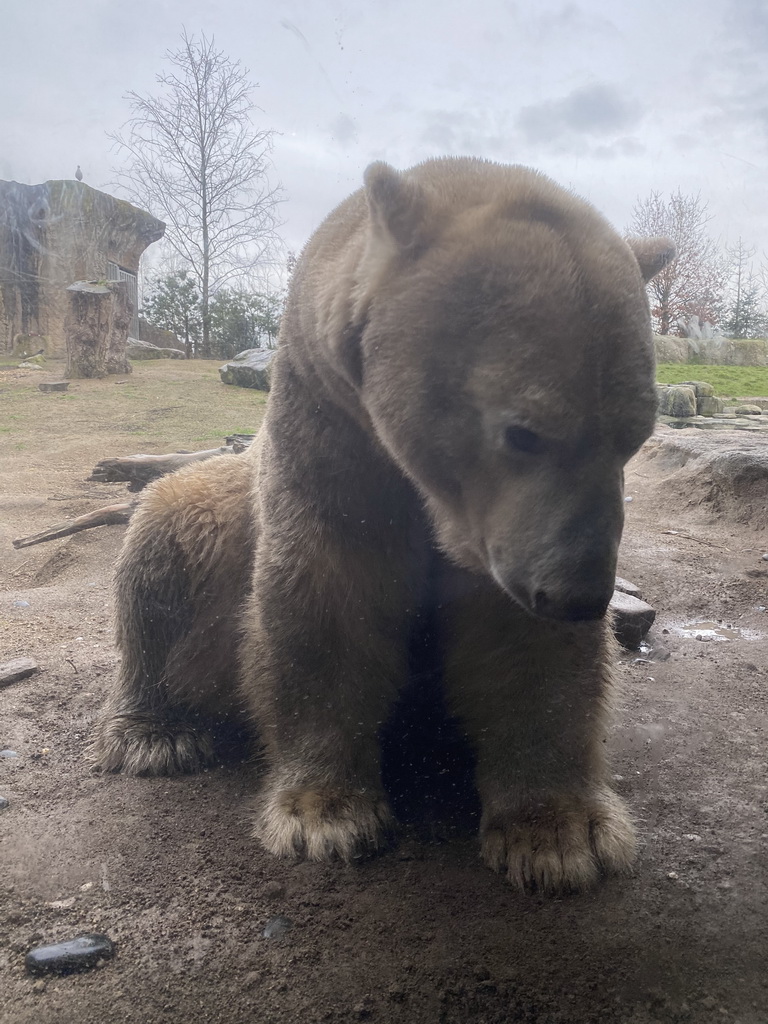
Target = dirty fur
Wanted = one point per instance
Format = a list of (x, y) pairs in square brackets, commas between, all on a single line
[(465, 367)]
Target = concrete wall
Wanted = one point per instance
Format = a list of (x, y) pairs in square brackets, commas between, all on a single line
[(713, 351)]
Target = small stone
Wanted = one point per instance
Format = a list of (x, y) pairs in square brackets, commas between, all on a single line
[(708, 1002), (38, 986), (8, 753), (673, 875), (632, 619), (765, 557), (21, 604), (627, 588), (16, 669), (62, 904), (274, 890), (4, 803), (77, 954), (277, 927)]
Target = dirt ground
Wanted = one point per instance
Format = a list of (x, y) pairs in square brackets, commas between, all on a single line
[(425, 932)]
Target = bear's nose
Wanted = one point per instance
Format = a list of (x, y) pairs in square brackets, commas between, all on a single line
[(581, 607)]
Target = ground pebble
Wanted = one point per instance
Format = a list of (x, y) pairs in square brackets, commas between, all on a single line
[(4, 802), (74, 955), (8, 753), (277, 927), (274, 890), (21, 604)]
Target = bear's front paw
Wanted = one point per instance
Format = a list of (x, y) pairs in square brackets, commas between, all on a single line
[(322, 823), (560, 843), (140, 744)]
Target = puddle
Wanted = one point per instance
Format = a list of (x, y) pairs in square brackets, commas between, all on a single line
[(713, 631)]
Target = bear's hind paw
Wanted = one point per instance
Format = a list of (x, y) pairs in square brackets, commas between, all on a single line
[(322, 824), (142, 745), (560, 845)]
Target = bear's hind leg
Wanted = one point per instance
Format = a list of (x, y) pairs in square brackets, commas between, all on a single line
[(180, 580)]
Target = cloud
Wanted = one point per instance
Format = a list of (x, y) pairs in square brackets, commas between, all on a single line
[(462, 132), (592, 110)]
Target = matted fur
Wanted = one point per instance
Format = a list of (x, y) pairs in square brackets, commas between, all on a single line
[(465, 366)]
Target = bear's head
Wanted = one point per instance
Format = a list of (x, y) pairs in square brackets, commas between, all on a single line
[(506, 364)]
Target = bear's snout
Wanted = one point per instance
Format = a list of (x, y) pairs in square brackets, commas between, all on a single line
[(580, 596)]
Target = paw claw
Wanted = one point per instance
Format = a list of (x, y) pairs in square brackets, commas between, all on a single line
[(562, 845), (322, 824), (142, 745)]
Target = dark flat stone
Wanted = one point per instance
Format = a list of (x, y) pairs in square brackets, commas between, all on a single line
[(77, 954)]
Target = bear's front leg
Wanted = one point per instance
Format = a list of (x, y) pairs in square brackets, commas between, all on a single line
[(533, 695), (324, 657)]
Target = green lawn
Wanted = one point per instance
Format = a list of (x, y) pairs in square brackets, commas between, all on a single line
[(164, 402), (728, 381)]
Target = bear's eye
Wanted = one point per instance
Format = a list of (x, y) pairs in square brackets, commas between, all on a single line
[(520, 439)]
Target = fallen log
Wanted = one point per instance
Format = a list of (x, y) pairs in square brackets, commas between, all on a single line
[(137, 471), (109, 515), (140, 470)]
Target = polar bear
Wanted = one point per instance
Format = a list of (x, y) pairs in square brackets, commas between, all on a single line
[(465, 366)]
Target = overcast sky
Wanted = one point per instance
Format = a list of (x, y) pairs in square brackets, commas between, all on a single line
[(610, 97)]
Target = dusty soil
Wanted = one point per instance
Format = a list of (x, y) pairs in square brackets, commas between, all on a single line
[(425, 932)]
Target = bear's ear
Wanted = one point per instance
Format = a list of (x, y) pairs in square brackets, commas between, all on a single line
[(397, 206), (652, 254)]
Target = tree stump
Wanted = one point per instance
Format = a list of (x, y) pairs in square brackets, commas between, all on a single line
[(96, 328), (122, 311)]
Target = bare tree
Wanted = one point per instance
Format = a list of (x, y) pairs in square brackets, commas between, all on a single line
[(744, 311), (196, 159), (692, 285)]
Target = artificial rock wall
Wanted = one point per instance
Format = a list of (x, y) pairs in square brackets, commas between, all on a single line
[(50, 236)]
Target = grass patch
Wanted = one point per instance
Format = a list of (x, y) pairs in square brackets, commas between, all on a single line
[(728, 381), (164, 405)]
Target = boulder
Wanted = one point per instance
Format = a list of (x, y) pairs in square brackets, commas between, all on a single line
[(676, 400), (249, 369), (748, 410), (136, 349), (709, 406), (702, 389)]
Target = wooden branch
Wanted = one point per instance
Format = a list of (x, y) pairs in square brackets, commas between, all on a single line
[(107, 516), (138, 471)]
